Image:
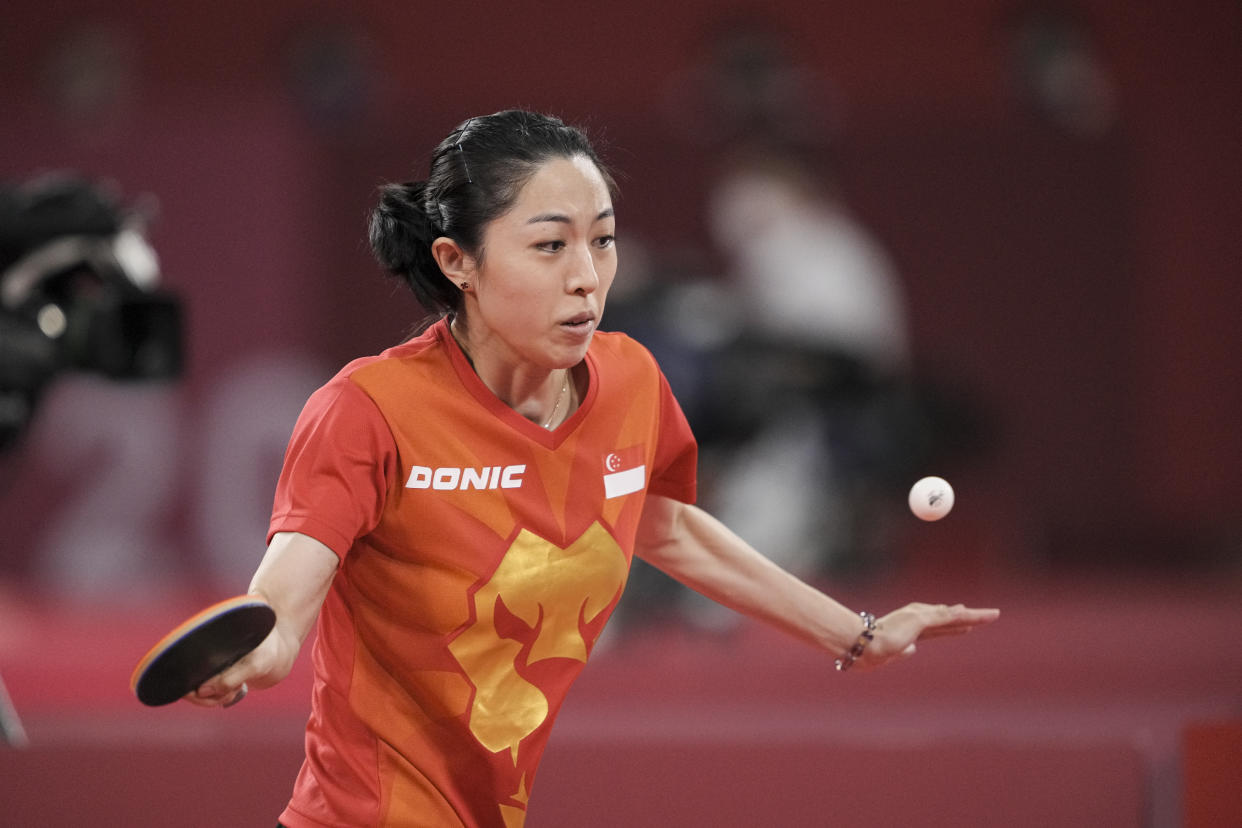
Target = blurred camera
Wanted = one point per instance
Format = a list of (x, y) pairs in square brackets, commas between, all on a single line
[(78, 292)]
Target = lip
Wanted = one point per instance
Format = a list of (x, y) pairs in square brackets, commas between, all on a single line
[(580, 318), (579, 325)]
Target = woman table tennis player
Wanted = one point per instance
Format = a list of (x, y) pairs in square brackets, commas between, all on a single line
[(458, 513)]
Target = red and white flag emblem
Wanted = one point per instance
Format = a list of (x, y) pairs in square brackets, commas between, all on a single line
[(624, 472)]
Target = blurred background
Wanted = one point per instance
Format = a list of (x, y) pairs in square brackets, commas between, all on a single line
[(993, 241)]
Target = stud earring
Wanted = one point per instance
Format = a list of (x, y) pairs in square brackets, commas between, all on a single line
[(465, 285)]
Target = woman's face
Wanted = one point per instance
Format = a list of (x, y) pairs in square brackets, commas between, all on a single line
[(546, 268)]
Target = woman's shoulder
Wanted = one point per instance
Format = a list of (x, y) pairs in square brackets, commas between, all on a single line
[(426, 343), (619, 346), (623, 362)]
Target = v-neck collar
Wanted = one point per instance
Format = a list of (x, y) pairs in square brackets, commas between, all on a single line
[(550, 439)]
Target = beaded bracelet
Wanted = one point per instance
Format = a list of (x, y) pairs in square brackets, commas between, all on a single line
[(864, 638)]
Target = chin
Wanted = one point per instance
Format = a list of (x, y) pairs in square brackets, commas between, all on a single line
[(569, 357)]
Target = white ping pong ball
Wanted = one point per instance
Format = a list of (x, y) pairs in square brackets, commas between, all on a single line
[(931, 498)]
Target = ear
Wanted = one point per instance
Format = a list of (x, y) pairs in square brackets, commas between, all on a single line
[(456, 264)]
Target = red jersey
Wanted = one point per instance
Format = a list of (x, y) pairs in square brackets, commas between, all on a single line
[(481, 556)]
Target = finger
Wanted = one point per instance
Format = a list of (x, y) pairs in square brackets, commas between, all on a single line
[(942, 615), (960, 621), (198, 697), (226, 683), (943, 631), (238, 696), (200, 701), (217, 690), (235, 676)]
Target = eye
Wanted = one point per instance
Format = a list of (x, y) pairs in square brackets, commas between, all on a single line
[(605, 242), (550, 246)]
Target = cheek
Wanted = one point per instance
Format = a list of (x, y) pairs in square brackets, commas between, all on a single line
[(500, 287), (607, 272), (508, 300)]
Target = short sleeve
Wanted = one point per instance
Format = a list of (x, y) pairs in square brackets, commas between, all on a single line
[(337, 468), (675, 471)]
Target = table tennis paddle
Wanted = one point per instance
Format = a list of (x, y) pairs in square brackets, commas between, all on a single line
[(200, 647)]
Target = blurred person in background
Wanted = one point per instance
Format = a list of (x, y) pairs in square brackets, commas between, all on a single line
[(802, 397), (824, 336)]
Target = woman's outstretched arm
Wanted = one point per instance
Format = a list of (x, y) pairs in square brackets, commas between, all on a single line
[(697, 549)]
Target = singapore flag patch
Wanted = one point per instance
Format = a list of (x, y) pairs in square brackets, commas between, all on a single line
[(624, 472)]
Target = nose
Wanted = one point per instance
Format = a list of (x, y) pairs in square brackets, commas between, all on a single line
[(583, 277)]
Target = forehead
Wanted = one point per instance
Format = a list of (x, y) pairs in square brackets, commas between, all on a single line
[(572, 187)]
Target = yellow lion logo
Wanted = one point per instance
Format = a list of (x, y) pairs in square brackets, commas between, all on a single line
[(553, 591)]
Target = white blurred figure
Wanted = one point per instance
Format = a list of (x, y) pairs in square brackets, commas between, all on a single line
[(796, 410), (814, 284), (806, 269)]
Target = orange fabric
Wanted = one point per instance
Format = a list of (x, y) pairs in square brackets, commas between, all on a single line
[(481, 556)]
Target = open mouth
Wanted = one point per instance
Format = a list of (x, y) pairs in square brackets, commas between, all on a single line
[(579, 322)]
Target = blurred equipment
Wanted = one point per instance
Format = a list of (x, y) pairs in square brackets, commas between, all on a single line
[(11, 729), (1061, 70), (77, 293)]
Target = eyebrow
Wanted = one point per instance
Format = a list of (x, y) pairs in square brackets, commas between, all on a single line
[(564, 219)]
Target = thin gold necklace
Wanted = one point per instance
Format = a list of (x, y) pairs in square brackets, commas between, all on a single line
[(559, 397)]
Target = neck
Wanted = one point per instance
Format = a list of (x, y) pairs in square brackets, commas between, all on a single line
[(543, 396)]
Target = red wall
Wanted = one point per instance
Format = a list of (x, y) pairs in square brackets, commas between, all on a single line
[(1084, 290)]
